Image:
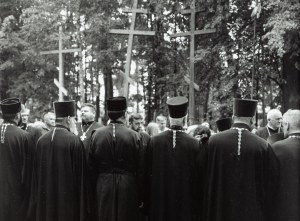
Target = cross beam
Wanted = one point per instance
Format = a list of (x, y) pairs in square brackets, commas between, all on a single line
[(131, 32), (192, 34), (60, 53)]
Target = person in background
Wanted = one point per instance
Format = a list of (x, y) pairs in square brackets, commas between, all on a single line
[(87, 125), (152, 129), (17, 152), (25, 125), (206, 124), (287, 199), (162, 123), (202, 133), (274, 118), (49, 122)]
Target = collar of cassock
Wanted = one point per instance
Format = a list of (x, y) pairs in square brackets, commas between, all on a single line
[(62, 126), (241, 125), (175, 127), (294, 134), (87, 123)]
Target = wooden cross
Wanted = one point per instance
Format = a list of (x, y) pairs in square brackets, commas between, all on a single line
[(60, 52), (192, 34), (131, 32)]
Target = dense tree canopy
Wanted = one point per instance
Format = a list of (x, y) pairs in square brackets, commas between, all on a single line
[(223, 60)]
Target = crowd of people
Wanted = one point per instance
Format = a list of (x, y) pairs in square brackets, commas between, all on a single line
[(61, 169)]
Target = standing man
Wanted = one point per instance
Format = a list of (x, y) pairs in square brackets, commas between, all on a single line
[(87, 125), (288, 154), (49, 122), (173, 169), (61, 170), (274, 118), (162, 123), (136, 123), (242, 171), (35, 132), (114, 156), (16, 163)]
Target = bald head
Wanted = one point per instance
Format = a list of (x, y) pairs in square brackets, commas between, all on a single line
[(274, 118), (291, 122)]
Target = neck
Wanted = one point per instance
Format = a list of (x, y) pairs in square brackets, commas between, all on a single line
[(273, 128), (63, 125)]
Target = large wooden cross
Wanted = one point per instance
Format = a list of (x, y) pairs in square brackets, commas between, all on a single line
[(192, 34), (131, 32), (60, 53)]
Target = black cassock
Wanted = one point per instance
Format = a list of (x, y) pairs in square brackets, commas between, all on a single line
[(62, 192), (16, 173), (115, 159), (240, 187), (174, 177), (87, 130), (288, 196)]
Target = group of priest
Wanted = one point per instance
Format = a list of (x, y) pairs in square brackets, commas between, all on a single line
[(87, 171)]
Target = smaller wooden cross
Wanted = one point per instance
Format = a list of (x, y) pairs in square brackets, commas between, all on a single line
[(192, 34), (131, 32), (60, 53)]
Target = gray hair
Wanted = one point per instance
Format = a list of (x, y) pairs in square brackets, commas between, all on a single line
[(272, 113), (293, 118)]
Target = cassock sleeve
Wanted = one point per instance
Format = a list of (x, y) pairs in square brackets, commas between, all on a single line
[(80, 174), (29, 180), (271, 181)]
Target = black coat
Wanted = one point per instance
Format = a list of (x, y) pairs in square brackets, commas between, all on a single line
[(288, 195), (239, 187), (62, 192), (117, 164), (174, 175), (16, 173)]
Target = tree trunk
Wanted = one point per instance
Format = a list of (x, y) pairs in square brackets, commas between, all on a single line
[(291, 90)]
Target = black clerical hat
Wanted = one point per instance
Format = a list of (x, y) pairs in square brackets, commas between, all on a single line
[(275, 137), (64, 108), (116, 104), (224, 124), (177, 106), (244, 107), (10, 106)]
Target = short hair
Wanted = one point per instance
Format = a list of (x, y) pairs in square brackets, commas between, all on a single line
[(160, 118), (272, 112), (9, 117), (135, 116), (91, 106), (47, 114), (202, 130), (152, 128), (115, 115), (293, 118)]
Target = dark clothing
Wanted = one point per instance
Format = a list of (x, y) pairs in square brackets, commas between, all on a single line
[(239, 187), (265, 132), (288, 196), (35, 132), (87, 128), (62, 192), (116, 162), (16, 173), (174, 177)]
